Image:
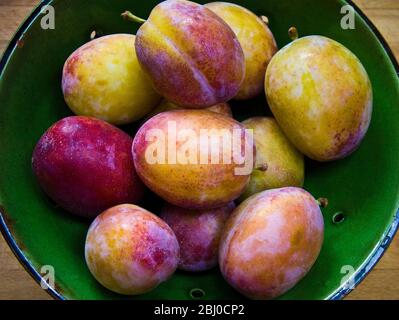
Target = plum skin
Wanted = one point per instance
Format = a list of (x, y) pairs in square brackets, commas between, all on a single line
[(191, 55), (130, 250), (103, 79), (271, 241), (85, 165), (221, 108), (192, 186), (321, 96), (284, 165), (198, 233), (257, 42)]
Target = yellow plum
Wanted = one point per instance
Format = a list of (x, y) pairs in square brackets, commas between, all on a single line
[(278, 163), (103, 79), (321, 96), (256, 40)]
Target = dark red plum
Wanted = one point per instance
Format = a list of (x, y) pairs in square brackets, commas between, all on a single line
[(198, 233), (85, 165)]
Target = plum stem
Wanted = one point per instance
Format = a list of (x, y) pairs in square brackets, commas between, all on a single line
[(293, 33), (263, 167), (323, 202), (265, 19), (127, 15)]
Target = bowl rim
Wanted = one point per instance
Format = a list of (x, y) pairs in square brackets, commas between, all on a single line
[(342, 291), (9, 238)]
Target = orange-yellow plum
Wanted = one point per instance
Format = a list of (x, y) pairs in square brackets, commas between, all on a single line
[(130, 250), (194, 159), (271, 241)]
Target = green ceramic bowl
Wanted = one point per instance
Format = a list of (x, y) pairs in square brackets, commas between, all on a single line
[(364, 187)]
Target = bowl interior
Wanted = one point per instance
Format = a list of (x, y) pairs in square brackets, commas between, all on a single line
[(364, 187)]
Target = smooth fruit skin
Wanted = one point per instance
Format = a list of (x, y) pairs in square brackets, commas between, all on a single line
[(190, 180), (85, 165), (321, 96), (130, 250), (103, 79), (222, 108), (198, 233), (192, 56), (256, 40), (278, 163), (271, 241)]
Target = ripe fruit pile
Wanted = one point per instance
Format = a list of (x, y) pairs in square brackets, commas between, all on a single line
[(175, 78)]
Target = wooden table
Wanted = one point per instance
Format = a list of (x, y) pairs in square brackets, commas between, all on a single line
[(381, 283)]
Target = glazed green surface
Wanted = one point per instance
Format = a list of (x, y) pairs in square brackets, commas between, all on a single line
[(363, 186)]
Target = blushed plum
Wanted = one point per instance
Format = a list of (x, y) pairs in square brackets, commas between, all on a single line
[(192, 56), (271, 241), (198, 233), (130, 250), (85, 165)]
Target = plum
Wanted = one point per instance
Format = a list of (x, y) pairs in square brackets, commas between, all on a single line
[(84, 164), (103, 79), (130, 251), (192, 56), (256, 40), (271, 241), (278, 163), (321, 96), (194, 159), (222, 108), (198, 233)]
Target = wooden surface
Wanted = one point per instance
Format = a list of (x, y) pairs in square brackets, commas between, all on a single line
[(381, 283)]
